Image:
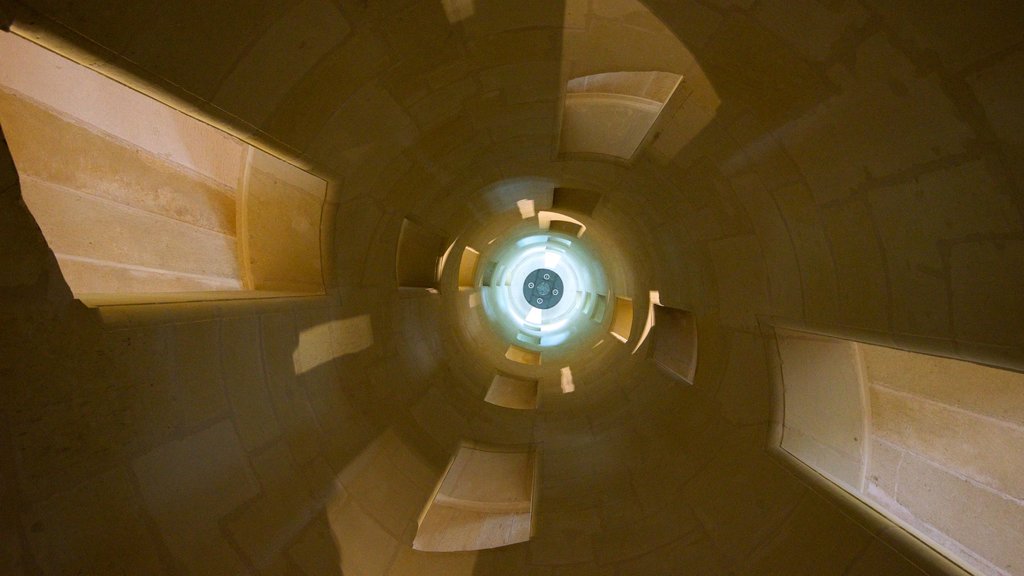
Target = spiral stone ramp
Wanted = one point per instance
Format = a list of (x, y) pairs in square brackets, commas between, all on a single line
[(850, 169)]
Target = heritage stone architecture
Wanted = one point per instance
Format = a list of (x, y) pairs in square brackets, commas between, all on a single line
[(511, 287)]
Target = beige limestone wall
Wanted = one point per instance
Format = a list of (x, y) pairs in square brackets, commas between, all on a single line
[(484, 500), (622, 318), (194, 438), (280, 214), (827, 420), (467, 267), (91, 99), (512, 392), (420, 251), (624, 40), (674, 343), (933, 442), (801, 199), (610, 126), (143, 203), (946, 446), (119, 216)]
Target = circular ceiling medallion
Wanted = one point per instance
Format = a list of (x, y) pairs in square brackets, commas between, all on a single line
[(543, 288)]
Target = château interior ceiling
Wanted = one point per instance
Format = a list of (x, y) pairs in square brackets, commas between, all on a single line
[(852, 168)]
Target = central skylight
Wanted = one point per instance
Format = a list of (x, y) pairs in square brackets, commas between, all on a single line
[(541, 286)]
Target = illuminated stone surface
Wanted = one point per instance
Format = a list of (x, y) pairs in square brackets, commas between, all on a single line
[(848, 168)]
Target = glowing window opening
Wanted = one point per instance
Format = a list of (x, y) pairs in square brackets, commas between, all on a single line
[(165, 207), (654, 299), (467, 267), (622, 320), (566, 383), (508, 311), (526, 209), (921, 439), (611, 114), (483, 500), (546, 217), (523, 356)]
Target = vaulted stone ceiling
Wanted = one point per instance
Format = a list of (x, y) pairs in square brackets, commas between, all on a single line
[(861, 175)]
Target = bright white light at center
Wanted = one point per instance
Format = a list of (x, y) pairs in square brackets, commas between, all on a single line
[(579, 271), (535, 316)]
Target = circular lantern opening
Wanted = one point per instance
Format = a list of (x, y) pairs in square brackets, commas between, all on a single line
[(543, 288)]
